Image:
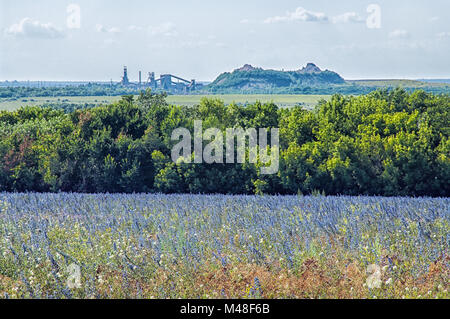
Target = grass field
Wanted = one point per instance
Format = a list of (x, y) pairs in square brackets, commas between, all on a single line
[(282, 100), (397, 83)]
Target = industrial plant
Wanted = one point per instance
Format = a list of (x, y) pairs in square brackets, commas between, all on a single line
[(165, 82)]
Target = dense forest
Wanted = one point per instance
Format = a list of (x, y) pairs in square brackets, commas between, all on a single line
[(90, 89), (384, 143)]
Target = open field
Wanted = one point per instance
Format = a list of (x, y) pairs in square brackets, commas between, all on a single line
[(198, 246), (398, 83), (280, 99)]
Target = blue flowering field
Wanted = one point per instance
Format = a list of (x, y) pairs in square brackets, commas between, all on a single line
[(216, 246)]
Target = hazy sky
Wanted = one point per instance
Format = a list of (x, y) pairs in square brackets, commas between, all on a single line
[(45, 40)]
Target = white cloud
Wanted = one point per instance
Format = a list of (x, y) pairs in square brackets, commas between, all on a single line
[(244, 21), (100, 28), (30, 28), (300, 14), (103, 29), (193, 35), (193, 44), (434, 19), (134, 28), (443, 35), (348, 17), (167, 29), (114, 30), (399, 34)]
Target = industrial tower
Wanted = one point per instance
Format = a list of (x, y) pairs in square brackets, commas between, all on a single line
[(167, 82), (125, 80)]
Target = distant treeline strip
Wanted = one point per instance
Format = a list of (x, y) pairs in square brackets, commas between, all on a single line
[(384, 143), (95, 89)]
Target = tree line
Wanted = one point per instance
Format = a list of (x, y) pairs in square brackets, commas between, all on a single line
[(234, 87), (90, 89), (391, 143)]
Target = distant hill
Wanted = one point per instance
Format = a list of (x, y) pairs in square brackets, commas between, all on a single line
[(251, 78)]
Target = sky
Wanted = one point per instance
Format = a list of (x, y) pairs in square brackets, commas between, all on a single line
[(91, 40)]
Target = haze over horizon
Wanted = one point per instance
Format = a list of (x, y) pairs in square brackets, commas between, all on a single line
[(46, 41)]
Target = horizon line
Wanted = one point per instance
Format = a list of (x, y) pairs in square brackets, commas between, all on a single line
[(137, 81)]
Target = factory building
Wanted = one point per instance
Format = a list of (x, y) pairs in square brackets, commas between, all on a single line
[(125, 80), (166, 82)]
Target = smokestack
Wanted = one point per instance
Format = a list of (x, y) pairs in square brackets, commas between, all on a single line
[(140, 78)]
